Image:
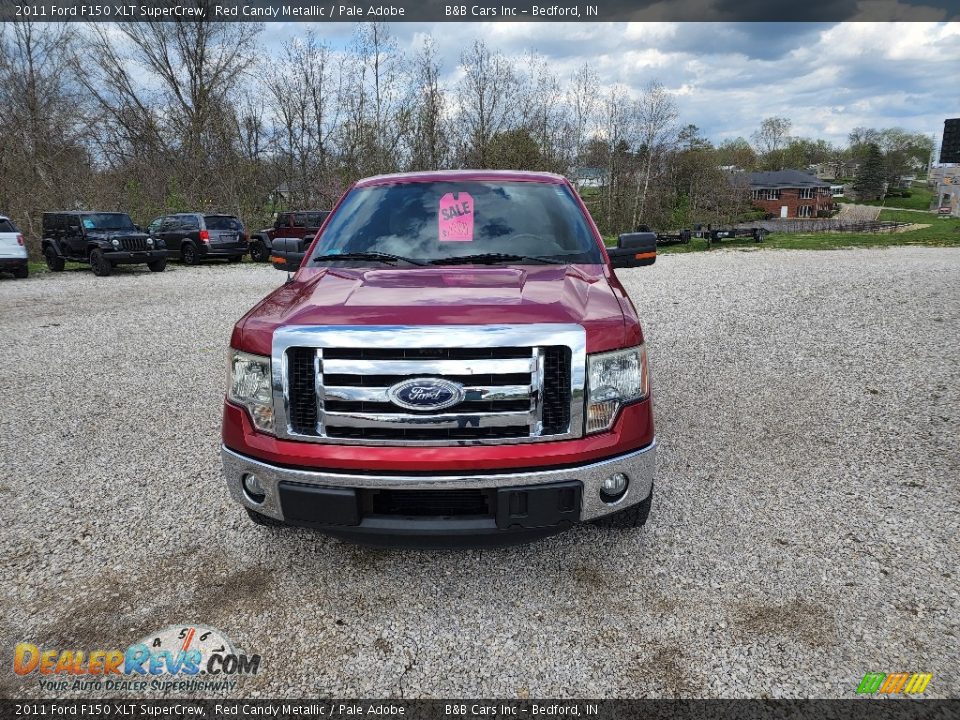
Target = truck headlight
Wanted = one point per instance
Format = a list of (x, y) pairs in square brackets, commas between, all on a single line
[(250, 386), (614, 379)]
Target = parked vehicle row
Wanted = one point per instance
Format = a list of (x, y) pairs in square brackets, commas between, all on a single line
[(107, 239)]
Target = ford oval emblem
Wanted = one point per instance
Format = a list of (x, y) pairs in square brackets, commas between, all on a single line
[(426, 394)]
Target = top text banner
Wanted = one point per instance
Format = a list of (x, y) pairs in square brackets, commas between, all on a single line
[(477, 10)]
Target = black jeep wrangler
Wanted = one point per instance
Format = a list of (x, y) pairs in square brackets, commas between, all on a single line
[(104, 239)]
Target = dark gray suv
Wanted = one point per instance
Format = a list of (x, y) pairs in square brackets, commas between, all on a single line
[(193, 237)]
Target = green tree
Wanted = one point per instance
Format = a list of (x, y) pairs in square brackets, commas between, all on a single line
[(870, 180), (514, 150)]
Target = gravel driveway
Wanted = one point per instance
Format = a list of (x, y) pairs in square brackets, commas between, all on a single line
[(805, 528)]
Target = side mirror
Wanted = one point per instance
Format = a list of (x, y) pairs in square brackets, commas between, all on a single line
[(634, 250), (74, 228), (287, 253)]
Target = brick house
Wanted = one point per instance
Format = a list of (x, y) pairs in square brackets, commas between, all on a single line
[(790, 193)]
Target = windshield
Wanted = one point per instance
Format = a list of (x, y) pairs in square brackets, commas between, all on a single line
[(107, 221), (222, 222), (443, 221)]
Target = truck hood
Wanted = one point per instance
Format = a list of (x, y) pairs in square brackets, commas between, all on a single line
[(580, 294)]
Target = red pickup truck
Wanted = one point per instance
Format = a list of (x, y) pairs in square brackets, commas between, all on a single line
[(454, 361)]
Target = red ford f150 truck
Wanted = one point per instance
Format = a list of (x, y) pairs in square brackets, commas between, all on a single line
[(453, 362)]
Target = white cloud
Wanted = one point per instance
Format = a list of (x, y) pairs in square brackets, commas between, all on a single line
[(727, 77)]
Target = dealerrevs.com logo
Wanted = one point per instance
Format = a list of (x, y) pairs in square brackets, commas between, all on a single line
[(177, 658)]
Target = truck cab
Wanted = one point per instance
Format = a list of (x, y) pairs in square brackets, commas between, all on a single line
[(452, 361)]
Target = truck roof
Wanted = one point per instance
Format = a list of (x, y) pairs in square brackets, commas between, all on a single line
[(462, 175)]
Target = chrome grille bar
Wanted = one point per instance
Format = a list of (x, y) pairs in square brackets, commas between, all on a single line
[(473, 393), (402, 421), (427, 367)]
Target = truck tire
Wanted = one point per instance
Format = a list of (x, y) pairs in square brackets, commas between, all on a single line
[(158, 265), (262, 520), (258, 251), (189, 254), (101, 266), (54, 261), (632, 517), (21, 272)]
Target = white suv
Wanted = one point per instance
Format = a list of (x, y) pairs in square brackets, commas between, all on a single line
[(13, 251)]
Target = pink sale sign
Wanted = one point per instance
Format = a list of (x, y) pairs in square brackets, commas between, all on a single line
[(455, 217)]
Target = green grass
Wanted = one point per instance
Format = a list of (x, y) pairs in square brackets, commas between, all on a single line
[(920, 199), (943, 232)]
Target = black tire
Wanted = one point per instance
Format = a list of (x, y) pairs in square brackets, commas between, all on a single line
[(235, 258), (158, 265), (189, 254), (258, 251), (632, 517), (22, 272), (262, 520), (54, 261), (101, 266)]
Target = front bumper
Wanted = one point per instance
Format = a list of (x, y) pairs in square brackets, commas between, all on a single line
[(223, 251), (331, 500), (132, 257)]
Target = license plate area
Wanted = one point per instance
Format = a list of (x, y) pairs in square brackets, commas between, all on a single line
[(539, 506)]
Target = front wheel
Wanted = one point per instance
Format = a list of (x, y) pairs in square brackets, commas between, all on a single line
[(258, 252), (54, 261), (101, 266), (632, 517), (157, 265)]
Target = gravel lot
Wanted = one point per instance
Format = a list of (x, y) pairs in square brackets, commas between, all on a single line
[(805, 529)]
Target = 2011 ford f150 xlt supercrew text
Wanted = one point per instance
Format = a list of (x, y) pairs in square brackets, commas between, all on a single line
[(453, 361)]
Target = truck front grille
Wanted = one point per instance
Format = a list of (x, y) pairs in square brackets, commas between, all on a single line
[(134, 244), (510, 393)]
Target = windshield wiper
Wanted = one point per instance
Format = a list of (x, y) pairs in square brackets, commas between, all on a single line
[(382, 257), (491, 258)]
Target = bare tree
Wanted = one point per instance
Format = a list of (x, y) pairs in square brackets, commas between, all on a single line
[(430, 140), (192, 69), (487, 96), (656, 113), (771, 139), (583, 102), (43, 135), (538, 102)]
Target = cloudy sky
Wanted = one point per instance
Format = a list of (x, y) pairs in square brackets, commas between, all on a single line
[(726, 77)]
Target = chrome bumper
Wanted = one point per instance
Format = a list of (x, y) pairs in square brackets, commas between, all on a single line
[(637, 465)]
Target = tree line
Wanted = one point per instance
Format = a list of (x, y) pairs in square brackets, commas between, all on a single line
[(152, 118)]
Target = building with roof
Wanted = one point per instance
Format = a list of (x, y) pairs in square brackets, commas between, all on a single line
[(790, 193)]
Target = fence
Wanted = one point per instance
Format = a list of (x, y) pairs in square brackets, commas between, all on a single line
[(814, 225)]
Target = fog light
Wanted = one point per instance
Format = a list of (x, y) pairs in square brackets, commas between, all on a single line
[(252, 487), (614, 487)]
